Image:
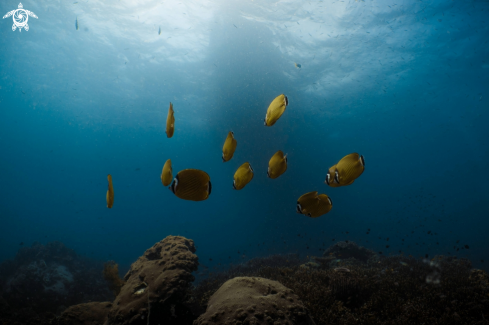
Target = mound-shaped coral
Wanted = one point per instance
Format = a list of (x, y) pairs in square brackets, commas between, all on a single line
[(157, 285), (246, 300), (92, 313), (348, 249)]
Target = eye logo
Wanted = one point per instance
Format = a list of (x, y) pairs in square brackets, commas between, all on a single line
[(20, 17)]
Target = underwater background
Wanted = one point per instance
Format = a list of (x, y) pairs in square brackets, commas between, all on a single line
[(85, 93)]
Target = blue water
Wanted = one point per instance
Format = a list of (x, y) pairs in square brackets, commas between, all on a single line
[(406, 84)]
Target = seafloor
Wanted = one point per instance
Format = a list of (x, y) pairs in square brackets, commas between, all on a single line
[(349, 284)]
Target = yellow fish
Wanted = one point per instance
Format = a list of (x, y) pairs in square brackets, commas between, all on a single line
[(313, 205), (170, 122), (192, 184), (229, 147), (166, 173), (110, 193), (243, 176), (276, 109), (349, 168), (277, 165)]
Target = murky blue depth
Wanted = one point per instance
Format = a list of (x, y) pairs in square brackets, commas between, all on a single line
[(406, 84)]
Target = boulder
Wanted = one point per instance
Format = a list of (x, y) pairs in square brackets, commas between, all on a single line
[(157, 285), (253, 300), (348, 249)]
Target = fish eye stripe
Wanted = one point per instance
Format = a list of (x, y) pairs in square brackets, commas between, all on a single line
[(299, 207)]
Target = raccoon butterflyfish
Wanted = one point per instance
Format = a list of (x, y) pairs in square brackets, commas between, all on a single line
[(229, 147), (243, 176), (191, 184), (313, 205), (166, 173), (349, 168), (76, 23), (277, 165), (276, 109), (170, 122), (297, 65), (110, 193)]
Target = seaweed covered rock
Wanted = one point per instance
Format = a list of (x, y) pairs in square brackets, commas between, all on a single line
[(250, 300), (157, 285), (92, 313), (349, 249)]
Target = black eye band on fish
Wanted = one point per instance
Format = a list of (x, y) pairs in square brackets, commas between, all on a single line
[(362, 159), (327, 179), (330, 202), (234, 184), (336, 176), (209, 187), (251, 169), (173, 187), (299, 208), (286, 101)]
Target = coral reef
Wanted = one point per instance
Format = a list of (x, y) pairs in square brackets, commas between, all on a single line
[(247, 300), (356, 287), (348, 249), (157, 285), (48, 278), (391, 290), (111, 275), (92, 313)]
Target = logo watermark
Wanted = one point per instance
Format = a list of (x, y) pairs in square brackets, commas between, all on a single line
[(20, 17)]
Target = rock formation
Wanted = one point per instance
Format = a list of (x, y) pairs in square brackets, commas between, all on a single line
[(348, 249), (156, 285), (92, 313), (250, 300)]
